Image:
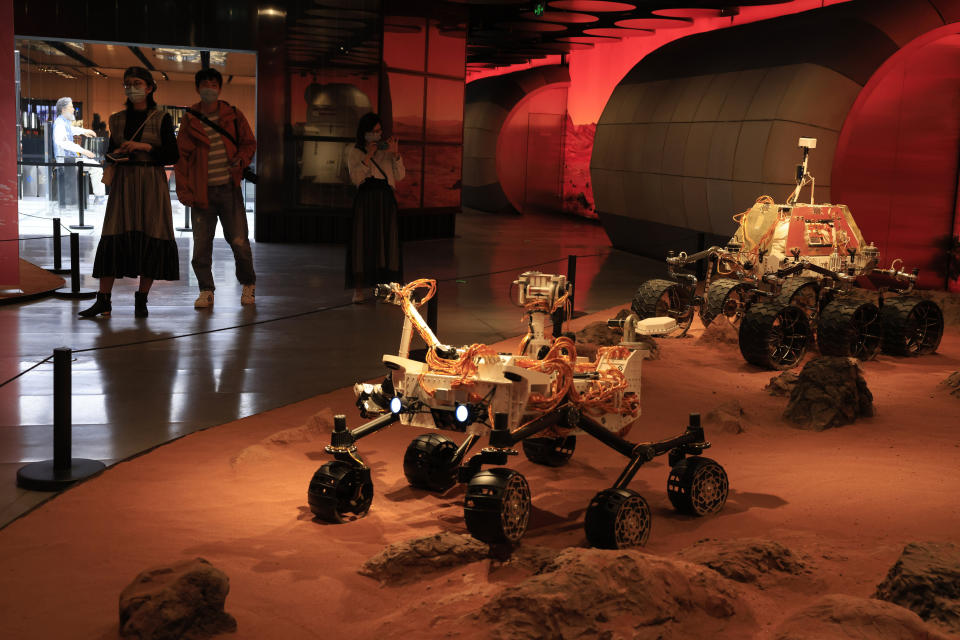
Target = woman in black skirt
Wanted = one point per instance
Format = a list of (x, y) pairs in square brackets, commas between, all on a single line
[(373, 254), (137, 238)]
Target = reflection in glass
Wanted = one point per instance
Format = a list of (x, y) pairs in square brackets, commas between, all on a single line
[(442, 169), (444, 110), (404, 42), (408, 189), (448, 44), (406, 98)]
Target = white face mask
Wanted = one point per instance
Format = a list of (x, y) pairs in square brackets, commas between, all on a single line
[(370, 136), (208, 94), (136, 94)]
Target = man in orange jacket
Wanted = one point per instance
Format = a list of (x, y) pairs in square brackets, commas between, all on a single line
[(216, 144)]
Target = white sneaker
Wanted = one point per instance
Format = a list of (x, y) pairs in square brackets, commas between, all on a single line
[(204, 300), (248, 295)]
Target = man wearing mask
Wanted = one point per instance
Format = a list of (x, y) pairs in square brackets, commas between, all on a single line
[(216, 144), (65, 150)]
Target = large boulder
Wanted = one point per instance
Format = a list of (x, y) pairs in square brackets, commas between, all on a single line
[(181, 600), (926, 580), (408, 560), (830, 392), (844, 617), (598, 593), (744, 559)]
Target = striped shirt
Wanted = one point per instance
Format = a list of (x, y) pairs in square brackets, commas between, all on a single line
[(218, 168)]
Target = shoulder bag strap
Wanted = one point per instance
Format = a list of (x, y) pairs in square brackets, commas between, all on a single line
[(213, 126)]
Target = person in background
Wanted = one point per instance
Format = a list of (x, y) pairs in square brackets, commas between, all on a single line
[(373, 254), (137, 238), (216, 144), (66, 151)]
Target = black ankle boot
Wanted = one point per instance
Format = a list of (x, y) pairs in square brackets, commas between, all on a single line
[(101, 307), (140, 305)]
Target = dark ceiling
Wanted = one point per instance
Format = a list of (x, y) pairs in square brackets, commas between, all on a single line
[(499, 32)]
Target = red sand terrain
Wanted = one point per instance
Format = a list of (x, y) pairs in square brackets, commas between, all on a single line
[(844, 501)]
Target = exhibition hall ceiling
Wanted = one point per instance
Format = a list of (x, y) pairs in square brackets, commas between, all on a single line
[(77, 60)]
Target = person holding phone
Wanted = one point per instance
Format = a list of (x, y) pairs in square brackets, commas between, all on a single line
[(137, 238), (373, 253)]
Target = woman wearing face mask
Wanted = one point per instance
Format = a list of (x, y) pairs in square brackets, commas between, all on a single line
[(373, 254), (137, 238)]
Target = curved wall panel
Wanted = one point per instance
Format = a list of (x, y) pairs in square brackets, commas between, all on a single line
[(488, 104), (701, 127)]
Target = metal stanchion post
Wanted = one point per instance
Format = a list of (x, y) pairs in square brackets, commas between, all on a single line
[(64, 469), (186, 220), (81, 199), (57, 250), (75, 291)]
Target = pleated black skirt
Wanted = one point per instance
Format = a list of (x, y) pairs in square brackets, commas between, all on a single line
[(373, 253)]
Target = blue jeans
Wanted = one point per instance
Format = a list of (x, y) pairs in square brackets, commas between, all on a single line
[(226, 203)]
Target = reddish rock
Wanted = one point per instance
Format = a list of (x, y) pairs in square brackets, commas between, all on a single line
[(606, 594), (720, 332), (183, 600), (783, 384), (952, 384), (830, 392), (727, 417), (926, 580), (843, 617), (317, 427), (408, 560), (744, 559)]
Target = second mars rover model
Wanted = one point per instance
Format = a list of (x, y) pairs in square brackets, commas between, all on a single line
[(539, 402), (786, 276)]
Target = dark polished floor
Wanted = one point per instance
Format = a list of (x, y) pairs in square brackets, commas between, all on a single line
[(302, 338)]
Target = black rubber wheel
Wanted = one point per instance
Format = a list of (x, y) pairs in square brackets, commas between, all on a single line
[(911, 326), (340, 492), (427, 463), (803, 293), (497, 505), (657, 298), (617, 519), (551, 452), (698, 486), (726, 299), (774, 336), (849, 328)]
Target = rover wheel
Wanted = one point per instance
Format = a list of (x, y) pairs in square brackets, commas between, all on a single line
[(803, 293), (617, 519), (697, 486), (552, 452), (497, 505), (726, 299), (656, 298), (911, 326), (849, 328), (340, 492), (774, 336), (428, 462)]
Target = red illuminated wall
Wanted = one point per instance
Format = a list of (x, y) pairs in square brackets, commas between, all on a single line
[(897, 158), (595, 73), (9, 251)]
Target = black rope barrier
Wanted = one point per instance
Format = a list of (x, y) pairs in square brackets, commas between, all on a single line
[(26, 371)]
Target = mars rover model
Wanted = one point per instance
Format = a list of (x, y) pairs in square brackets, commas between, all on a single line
[(786, 277), (541, 398)]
